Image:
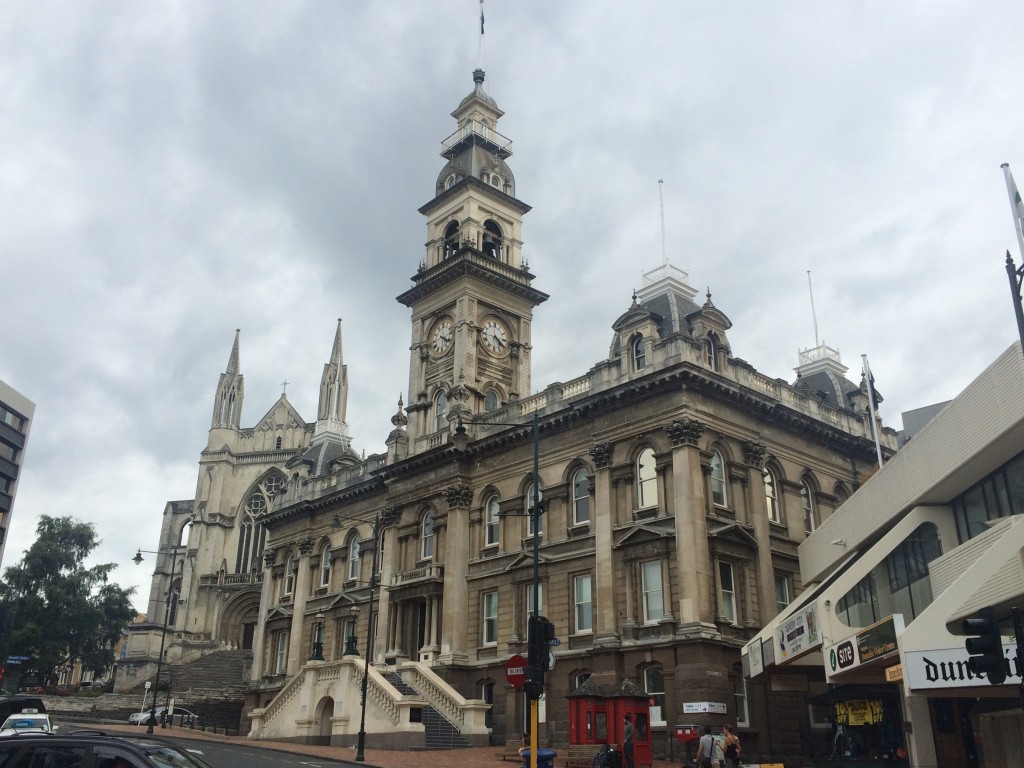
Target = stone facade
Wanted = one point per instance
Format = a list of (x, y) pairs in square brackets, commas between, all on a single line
[(676, 481)]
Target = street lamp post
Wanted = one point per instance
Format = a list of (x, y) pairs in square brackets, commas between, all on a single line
[(173, 552), (318, 638), (381, 520), (460, 440)]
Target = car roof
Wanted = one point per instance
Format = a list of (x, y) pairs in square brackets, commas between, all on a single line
[(144, 743)]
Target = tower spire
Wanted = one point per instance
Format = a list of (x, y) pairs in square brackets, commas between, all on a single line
[(227, 405), (332, 412)]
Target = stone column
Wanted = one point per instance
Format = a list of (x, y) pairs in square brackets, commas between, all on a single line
[(603, 580), (753, 454), (258, 639), (692, 553), (298, 653), (456, 568)]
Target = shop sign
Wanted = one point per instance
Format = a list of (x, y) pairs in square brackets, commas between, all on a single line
[(859, 712), (894, 674), (754, 657), (949, 668), (789, 683), (879, 639), (704, 707), (875, 642), (798, 634)]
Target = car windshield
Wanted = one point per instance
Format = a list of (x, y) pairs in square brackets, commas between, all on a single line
[(168, 756), (21, 722)]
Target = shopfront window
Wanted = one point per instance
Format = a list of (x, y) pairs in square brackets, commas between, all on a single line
[(1001, 494)]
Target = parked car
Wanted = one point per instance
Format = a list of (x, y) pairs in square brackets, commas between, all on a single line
[(180, 716), (27, 722), (12, 705), (94, 749)]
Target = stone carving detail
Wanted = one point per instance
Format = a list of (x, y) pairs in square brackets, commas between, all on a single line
[(754, 453), (458, 496), (306, 546), (268, 557), (601, 453), (685, 431)]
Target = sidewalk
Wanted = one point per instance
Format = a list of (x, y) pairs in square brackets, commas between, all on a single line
[(475, 757)]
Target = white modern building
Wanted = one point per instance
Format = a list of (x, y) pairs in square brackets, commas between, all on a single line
[(872, 643)]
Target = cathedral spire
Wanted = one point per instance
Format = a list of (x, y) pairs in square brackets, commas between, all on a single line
[(227, 405), (331, 418)]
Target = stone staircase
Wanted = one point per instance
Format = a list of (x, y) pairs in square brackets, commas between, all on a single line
[(221, 674), (438, 732)]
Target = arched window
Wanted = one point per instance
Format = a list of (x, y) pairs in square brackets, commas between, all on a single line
[(172, 605), (353, 557), (289, 576), (771, 495), (580, 498), (492, 523), (528, 506), (487, 694), (639, 353), (654, 687), (492, 233), (711, 351), (807, 502), (256, 504), (450, 181), (277, 444), (841, 493), (440, 412), (495, 180), (325, 566), (646, 479), (427, 536), (718, 485), (274, 483), (579, 678), (451, 239), (251, 538), (491, 400)]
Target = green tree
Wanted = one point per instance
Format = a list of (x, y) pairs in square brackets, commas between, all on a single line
[(57, 610)]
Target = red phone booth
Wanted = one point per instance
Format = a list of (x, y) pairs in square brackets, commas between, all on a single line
[(597, 716)]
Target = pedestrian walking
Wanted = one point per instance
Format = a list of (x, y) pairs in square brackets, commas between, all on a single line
[(706, 750), (732, 748), (628, 735)]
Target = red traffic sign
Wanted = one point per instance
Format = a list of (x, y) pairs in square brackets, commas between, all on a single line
[(515, 671)]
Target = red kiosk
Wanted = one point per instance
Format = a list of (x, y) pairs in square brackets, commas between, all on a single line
[(597, 716)]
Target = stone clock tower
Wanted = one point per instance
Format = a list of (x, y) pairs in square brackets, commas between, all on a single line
[(471, 300)]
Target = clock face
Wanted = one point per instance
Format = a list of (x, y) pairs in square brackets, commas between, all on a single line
[(442, 337), (495, 337)]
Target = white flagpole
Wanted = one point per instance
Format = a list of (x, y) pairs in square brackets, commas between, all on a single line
[(1015, 206), (871, 402)]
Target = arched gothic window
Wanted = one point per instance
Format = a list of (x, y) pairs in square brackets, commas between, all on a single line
[(289, 575), (491, 400), (647, 479), (451, 239), (251, 538)]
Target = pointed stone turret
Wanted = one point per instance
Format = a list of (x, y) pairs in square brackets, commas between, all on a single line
[(331, 423), (227, 405)]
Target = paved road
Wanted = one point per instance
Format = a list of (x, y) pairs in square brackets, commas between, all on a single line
[(241, 752)]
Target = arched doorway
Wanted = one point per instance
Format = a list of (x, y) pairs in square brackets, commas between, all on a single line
[(323, 722)]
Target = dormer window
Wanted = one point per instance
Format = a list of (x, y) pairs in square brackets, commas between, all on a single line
[(639, 353), (711, 350)]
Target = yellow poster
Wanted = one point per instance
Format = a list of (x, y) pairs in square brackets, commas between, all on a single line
[(859, 712)]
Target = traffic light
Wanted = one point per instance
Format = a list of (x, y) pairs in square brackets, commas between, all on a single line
[(540, 633), (985, 645)]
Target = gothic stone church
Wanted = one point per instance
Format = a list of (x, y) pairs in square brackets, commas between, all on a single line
[(676, 483)]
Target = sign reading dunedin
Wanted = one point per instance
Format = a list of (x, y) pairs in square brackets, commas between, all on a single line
[(948, 668)]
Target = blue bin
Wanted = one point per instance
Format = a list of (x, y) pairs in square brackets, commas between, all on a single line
[(545, 758)]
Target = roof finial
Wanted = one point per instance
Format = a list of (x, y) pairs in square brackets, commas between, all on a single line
[(480, 47)]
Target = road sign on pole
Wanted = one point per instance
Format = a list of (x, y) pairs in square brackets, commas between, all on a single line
[(515, 671)]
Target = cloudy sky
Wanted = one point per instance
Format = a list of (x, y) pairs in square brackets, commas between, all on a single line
[(172, 171)]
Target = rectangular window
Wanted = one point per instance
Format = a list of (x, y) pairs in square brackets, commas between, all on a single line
[(490, 618), (727, 589), (281, 654), (654, 599), (740, 689), (584, 608), (781, 590)]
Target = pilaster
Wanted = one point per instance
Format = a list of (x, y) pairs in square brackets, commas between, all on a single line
[(296, 646), (456, 567)]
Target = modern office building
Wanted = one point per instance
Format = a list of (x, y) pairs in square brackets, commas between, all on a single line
[(16, 413), (873, 648)]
